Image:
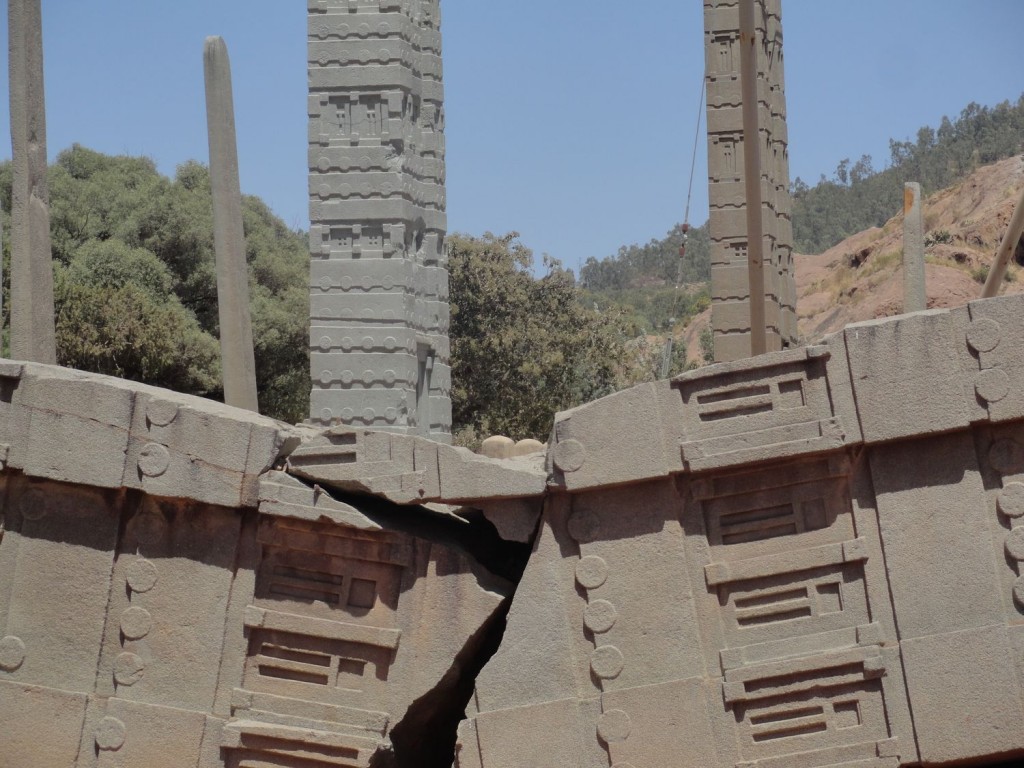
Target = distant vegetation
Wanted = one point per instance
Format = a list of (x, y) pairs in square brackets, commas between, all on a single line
[(641, 280), (136, 297), (656, 288), (135, 287), (857, 197), (525, 347)]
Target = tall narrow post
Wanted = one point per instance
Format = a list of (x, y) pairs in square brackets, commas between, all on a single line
[(915, 297), (1006, 249), (32, 323), (1, 266), (752, 176), (236, 349)]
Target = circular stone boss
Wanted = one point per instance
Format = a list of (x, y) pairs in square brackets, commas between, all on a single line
[(591, 572)]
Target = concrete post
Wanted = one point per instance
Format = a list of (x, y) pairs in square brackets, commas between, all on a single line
[(752, 176), (915, 297), (236, 349), (32, 323)]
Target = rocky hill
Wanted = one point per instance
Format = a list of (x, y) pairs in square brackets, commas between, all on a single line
[(860, 277)]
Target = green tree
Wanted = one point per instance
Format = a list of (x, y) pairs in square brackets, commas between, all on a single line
[(136, 288), (522, 347)]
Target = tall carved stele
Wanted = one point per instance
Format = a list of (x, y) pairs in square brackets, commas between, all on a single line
[(378, 278), (729, 272)]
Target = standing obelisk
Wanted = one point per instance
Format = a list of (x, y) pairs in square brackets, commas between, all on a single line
[(32, 324), (236, 351), (753, 283), (379, 310)]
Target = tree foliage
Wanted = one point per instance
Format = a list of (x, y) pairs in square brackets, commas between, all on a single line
[(523, 347), (655, 289), (857, 197), (135, 286), (656, 263)]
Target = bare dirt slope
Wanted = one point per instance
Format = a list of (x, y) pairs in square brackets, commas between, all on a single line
[(860, 278)]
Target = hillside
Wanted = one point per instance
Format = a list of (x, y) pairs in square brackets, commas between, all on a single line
[(858, 197), (860, 278)]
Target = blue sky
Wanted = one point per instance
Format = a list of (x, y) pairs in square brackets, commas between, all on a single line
[(571, 122)]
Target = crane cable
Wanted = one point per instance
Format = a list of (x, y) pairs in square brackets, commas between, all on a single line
[(666, 360), (693, 168)]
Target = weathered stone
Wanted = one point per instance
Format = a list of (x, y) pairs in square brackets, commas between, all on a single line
[(497, 447), (810, 558), (236, 350), (731, 275), (915, 297), (378, 282), (32, 321)]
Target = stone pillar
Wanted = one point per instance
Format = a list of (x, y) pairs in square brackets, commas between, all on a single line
[(379, 284), (915, 297), (236, 350), (1, 262), (750, 44), (730, 279), (32, 321)]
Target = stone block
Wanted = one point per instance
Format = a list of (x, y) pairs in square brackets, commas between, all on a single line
[(731, 316), (466, 476), (401, 468), (189, 447), (381, 409), (165, 637), (754, 409), (666, 723), (544, 635), (71, 449), (993, 324), (41, 726), (906, 376), (965, 695), (282, 495), (731, 346), (933, 515), (840, 386), (132, 734), (354, 371), (562, 733), (68, 411), (727, 222), (646, 616), (617, 439), (57, 581), (731, 284)]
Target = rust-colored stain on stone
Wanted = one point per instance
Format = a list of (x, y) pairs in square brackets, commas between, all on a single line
[(908, 200)]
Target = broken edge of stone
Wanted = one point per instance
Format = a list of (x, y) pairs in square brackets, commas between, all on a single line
[(874, 382)]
